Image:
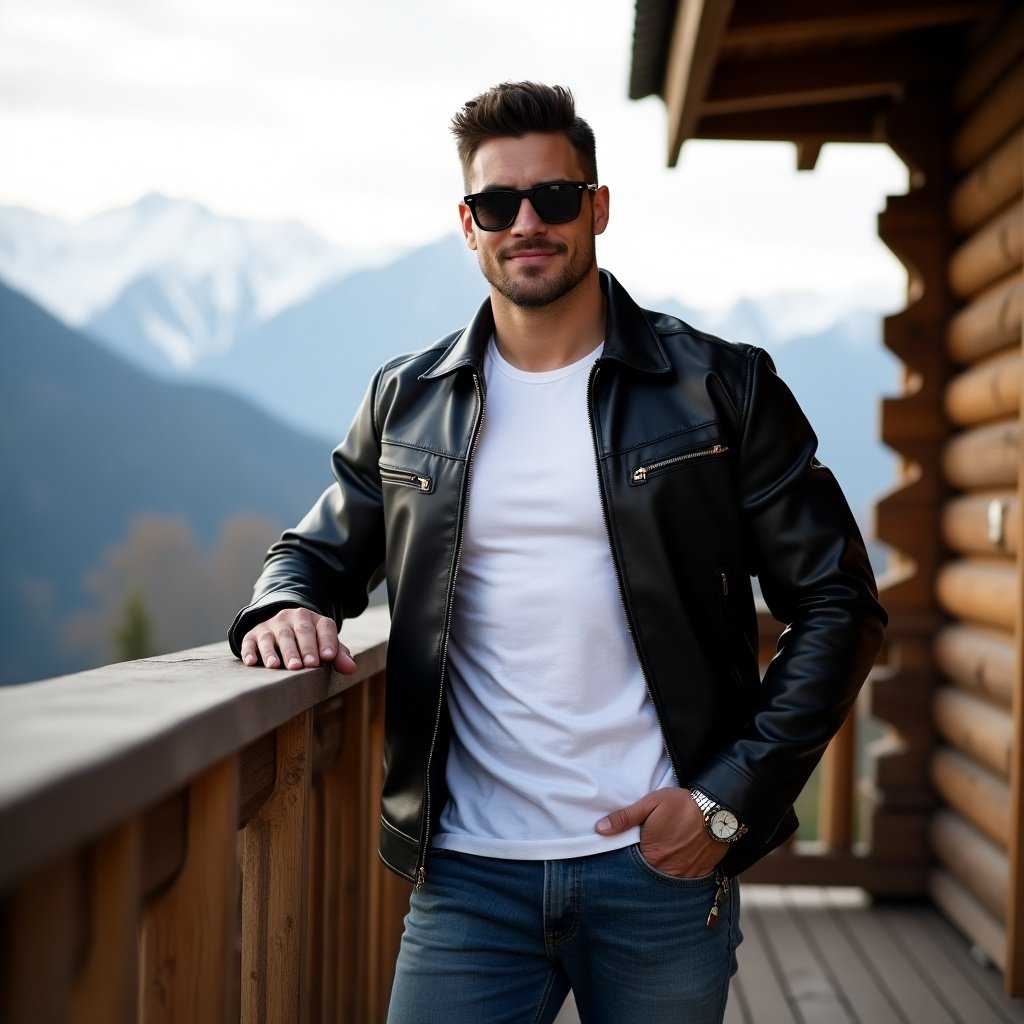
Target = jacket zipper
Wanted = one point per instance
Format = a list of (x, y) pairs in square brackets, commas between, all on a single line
[(395, 476), (618, 576), (421, 871), (729, 625), (641, 473)]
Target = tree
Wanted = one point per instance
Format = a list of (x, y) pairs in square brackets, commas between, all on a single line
[(159, 590), (134, 634)]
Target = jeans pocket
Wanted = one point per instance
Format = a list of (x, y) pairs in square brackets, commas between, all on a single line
[(648, 868)]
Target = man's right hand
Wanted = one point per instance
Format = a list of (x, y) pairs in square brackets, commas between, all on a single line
[(296, 638)]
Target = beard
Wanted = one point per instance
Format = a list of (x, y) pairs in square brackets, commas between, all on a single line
[(537, 286)]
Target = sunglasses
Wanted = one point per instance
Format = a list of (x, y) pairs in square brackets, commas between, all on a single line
[(556, 202)]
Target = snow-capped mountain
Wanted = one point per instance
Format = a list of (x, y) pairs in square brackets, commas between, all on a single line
[(165, 280), (775, 320), (169, 284)]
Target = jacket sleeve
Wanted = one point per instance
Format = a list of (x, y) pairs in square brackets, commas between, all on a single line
[(803, 543), (332, 559)]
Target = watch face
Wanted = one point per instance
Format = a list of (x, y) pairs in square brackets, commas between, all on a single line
[(724, 824)]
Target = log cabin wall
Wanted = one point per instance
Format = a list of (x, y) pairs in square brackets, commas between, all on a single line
[(976, 833), (941, 82)]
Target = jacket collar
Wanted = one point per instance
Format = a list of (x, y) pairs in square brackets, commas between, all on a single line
[(629, 337)]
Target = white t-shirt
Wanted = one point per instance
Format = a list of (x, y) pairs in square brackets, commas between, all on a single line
[(552, 724)]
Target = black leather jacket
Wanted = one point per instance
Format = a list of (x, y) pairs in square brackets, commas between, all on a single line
[(707, 475)]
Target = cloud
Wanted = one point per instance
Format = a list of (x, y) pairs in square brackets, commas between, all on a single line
[(337, 114)]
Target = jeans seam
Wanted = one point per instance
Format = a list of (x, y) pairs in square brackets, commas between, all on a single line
[(544, 997), (551, 940)]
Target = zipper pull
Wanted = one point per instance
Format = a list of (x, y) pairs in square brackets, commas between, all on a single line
[(421, 878), (640, 475), (720, 893), (725, 585)]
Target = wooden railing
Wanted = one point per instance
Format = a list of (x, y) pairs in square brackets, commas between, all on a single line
[(183, 839)]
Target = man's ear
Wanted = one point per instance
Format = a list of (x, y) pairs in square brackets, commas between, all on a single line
[(468, 227), (601, 204)]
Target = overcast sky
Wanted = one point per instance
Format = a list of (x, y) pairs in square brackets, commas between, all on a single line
[(336, 113)]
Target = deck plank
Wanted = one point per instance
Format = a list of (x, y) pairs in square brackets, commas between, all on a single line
[(806, 978), (812, 955), (888, 959), (863, 989), (973, 990), (762, 991)]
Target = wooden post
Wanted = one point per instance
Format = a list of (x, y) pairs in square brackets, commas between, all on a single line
[(41, 925), (378, 973), (345, 910), (106, 988), (189, 934), (835, 800), (274, 886)]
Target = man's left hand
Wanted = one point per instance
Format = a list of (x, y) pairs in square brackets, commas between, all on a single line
[(672, 835)]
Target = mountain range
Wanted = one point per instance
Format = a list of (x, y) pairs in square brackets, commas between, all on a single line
[(164, 360), (89, 443), (165, 281)]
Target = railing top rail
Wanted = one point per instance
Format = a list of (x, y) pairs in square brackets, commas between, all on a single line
[(80, 753)]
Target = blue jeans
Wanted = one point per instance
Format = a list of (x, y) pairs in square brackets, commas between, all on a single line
[(503, 941)]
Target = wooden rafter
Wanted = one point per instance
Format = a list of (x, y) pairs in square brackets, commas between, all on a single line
[(691, 59), (810, 21), (780, 80), (856, 121)]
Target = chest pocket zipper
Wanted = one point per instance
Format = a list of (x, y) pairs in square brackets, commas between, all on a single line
[(396, 476), (641, 473)]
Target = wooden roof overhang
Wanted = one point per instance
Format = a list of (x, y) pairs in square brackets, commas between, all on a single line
[(803, 71)]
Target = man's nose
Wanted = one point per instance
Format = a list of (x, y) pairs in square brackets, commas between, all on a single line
[(527, 221)]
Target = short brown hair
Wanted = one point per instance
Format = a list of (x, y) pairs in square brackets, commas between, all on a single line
[(514, 109)]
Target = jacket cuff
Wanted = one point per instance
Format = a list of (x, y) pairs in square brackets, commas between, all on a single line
[(730, 786), (257, 612)]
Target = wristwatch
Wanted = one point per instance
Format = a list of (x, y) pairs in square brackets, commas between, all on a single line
[(720, 823)]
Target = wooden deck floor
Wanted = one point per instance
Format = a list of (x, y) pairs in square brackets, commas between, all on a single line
[(824, 956)]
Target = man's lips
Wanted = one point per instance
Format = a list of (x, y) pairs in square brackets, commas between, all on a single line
[(531, 252)]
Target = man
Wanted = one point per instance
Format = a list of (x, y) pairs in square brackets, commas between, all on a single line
[(568, 499)]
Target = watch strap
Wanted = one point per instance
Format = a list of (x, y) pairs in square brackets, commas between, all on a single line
[(708, 805)]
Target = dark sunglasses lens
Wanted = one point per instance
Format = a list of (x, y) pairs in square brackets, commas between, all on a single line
[(495, 211), (558, 204)]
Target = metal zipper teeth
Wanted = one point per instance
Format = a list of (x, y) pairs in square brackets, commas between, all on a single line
[(640, 474), (421, 874), (618, 578), (422, 483)]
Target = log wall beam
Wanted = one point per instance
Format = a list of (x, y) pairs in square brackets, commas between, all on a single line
[(983, 457), (975, 728), (990, 186), (978, 795), (962, 907), (988, 390), (982, 523), (989, 254), (995, 118), (978, 660), (975, 861), (980, 590), (989, 322)]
